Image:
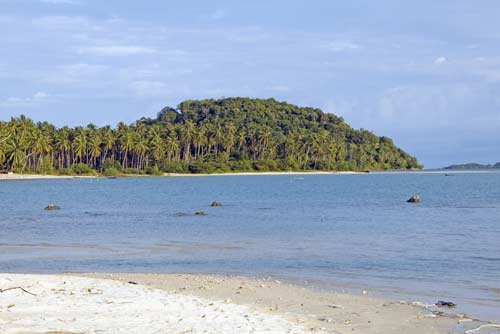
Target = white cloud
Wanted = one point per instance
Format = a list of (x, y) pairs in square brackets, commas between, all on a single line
[(341, 46), (35, 100), (62, 23), (116, 50), (150, 89), (40, 95), (73, 73), (219, 14), (61, 2), (440, 60)]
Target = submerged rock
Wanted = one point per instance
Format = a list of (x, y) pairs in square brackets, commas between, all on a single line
[(52, 208), (414, 199), (216, 204), (445, 304)]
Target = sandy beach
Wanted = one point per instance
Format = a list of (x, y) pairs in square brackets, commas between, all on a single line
[(39, 177), (156, 303), (42, 177)]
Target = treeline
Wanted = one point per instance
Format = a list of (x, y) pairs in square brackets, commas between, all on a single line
[(472, 166), (207, 136)]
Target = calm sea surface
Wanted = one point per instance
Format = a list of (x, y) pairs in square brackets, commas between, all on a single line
[(339, 231)]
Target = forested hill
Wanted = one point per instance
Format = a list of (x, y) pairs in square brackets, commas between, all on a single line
[(233, 134), (472, 166)]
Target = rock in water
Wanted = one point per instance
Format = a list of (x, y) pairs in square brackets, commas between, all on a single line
[(200, 213), (414, 199), (52, 208), (216, 204), (445, 304)]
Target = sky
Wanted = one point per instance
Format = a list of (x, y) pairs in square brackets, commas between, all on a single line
[(425, 73)]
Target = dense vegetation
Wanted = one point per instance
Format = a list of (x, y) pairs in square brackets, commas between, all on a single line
[(473, 165), (234, 134)]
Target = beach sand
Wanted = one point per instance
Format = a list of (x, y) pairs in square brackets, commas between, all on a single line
[(158, 303), (42, 177), (39, 177)]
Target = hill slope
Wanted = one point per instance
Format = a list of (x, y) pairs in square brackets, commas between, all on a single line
[(233, 134)]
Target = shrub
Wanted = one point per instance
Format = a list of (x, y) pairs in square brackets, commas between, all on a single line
[(241, 166), (133, 171), (110, 163), (111, 171), (83, 169), (46, 166), (154, 171), (265, 165), (65, 171), (173, 167)]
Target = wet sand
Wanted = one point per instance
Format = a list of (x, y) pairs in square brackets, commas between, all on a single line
[(313, 310)]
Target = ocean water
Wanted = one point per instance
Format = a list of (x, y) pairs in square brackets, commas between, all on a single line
[(348, 232)]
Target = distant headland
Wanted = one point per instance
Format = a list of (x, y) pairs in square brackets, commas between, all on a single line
[(472, 166)]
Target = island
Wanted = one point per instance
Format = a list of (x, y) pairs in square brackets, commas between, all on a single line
[(201, 136), (472, 166)]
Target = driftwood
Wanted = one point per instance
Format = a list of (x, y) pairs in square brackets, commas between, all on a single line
[(17, 288), (482, 327)]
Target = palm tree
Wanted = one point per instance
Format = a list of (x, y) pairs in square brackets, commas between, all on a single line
[(80, 144), (187, 134), (126, 144), (95, 150), (63, 147), (140, 149), (156, 143), (16, 153), (108, 137), (172, 147)]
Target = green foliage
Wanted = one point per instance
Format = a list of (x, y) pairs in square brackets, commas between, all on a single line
[(65, 171), (241, 166), (472, 165), (111, 164), (46, 165), (265, 165), (203, 136), (133, 171), (111, 171), (154, 171), (83, 169)]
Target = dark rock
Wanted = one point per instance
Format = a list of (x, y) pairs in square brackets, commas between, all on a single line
[(52, 208), (200, 213), (414, 199), (445, 304), (216, 204)]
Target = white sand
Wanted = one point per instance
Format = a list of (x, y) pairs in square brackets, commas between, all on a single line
[(72, 305), (39, 177)]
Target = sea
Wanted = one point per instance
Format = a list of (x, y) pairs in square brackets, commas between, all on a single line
[(342, 232)]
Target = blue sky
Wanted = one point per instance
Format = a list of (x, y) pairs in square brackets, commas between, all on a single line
[(426, 73)]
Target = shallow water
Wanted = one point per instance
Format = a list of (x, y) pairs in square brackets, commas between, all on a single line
[(353, 231)]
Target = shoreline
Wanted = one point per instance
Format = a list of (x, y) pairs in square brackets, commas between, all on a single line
[(48, 177), (6, 177), (261, 302), (265, 173)]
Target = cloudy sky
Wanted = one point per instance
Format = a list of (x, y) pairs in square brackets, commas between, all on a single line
[(426, 73)]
